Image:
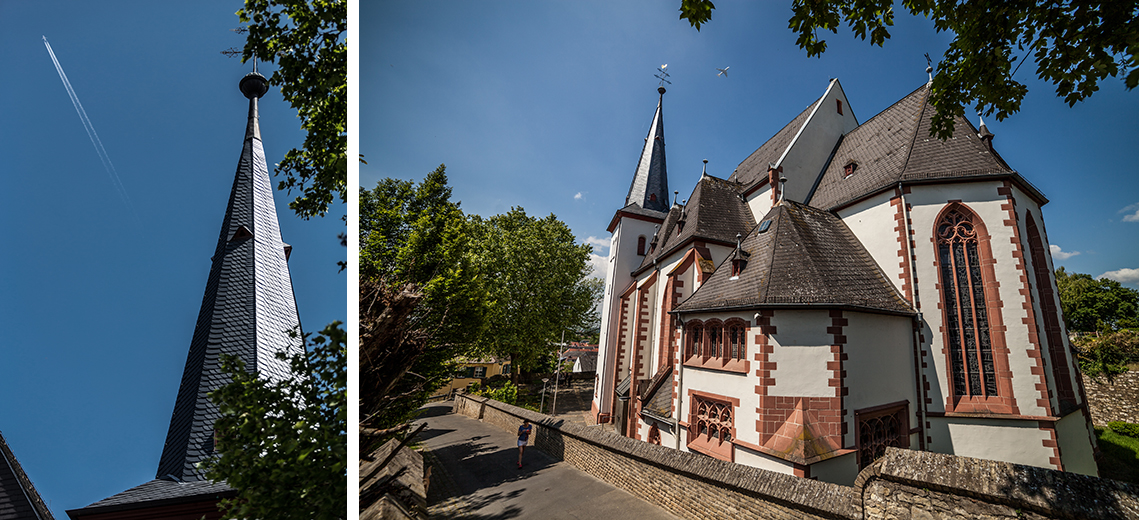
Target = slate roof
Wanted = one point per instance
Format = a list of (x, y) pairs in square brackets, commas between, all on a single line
[(806, 258), (19, 499), (715, 213), (651, 177), (658, 401), (753, 169), (247, 310), (157, 493), (895, 146)]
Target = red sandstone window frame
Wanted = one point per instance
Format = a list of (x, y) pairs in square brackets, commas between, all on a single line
[(720, 430), (1001, 401), (868, 431), (707, 344)]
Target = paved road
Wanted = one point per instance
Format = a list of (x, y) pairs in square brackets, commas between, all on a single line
[(475, 475)]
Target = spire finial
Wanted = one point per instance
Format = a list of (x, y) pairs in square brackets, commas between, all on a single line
[(675, 196), (705, 172), (663, 77), (929, 67)]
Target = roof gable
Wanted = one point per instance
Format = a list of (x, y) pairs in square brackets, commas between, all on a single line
[(895, 146), (753, 170)]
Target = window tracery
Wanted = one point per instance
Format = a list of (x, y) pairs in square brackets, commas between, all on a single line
[(963, 294)]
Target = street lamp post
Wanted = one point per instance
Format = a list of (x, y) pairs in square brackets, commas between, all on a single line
[(543, 405), (558, 375)]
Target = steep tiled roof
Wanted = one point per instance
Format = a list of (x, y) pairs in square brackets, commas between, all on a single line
[(18, 497), (806, 257), (895, 146), (649, 188), (754, 168), (714, 213), (247, 310), (156, 493), (658, 398)]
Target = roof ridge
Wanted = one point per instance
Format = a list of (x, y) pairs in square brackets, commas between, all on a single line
[(917, 126)]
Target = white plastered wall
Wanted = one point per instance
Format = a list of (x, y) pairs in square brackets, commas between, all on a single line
[(759, 460), (623, 259), (802, 350), (805, 157), (1019, 442), (872, 222), (879, 366), (1076, 452), (760, 202), (837, 470), (982, 198)]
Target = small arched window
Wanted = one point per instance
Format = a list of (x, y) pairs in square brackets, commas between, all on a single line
[(695, 339), (641, 245)]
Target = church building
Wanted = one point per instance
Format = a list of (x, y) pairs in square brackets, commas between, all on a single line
[(246, 312), (850, 286)]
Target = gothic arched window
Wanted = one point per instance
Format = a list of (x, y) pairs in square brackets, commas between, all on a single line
[(641, 245), (695, 339), (961, 258)]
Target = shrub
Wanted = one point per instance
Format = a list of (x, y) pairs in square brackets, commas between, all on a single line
[(508, 393), (1124, 428)]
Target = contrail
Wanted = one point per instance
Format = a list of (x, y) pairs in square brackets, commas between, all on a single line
[(106, 159)]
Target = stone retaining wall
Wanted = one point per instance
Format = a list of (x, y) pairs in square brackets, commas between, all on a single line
[(1118, 401), (903, 484)]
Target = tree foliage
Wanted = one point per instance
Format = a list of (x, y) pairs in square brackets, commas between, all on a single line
[(306, 39), (1105, 355), (540, 287), (1096, 305), (1075, 44), (422, 301), (282, 443)]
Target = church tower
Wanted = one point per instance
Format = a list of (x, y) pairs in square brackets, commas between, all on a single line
[(633, 229), (247, 311)]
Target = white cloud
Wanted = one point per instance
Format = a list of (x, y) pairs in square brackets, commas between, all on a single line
[(1124, 275), (1132, 213), (1060, 254), (600, 264), (579, 196), (597, 242)]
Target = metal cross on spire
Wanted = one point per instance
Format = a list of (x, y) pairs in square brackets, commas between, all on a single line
[(663, 76)]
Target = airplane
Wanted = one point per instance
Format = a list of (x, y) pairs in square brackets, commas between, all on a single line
[(723, 71)]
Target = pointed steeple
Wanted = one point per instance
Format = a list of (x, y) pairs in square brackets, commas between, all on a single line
[(248, 308), (649, 189)]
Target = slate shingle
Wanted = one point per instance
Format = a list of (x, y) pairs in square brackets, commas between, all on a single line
[(714, 213), (806, 258), (895, 146), (19, 499)]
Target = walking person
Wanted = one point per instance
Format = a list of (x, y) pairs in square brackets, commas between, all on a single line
[(523, 438)]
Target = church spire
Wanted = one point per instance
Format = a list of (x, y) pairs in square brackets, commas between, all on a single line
[(649, 189), (247, 310)]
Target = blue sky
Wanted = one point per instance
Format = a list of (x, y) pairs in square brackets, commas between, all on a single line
[(98, 306), (546, 105)]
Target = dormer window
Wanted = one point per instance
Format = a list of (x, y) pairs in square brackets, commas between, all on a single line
[(849, 169), (738, 266)]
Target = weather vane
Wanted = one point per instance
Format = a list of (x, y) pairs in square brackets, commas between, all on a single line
[(929, 67), (663, 76)]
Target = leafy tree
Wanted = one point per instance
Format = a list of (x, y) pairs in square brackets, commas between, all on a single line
[(1074, 44), (1096, 305), (306, 39), (282, 443), (422, 301), (1107, 354), (541, 285)]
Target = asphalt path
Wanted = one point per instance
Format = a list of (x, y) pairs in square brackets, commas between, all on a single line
[(475, 475)]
